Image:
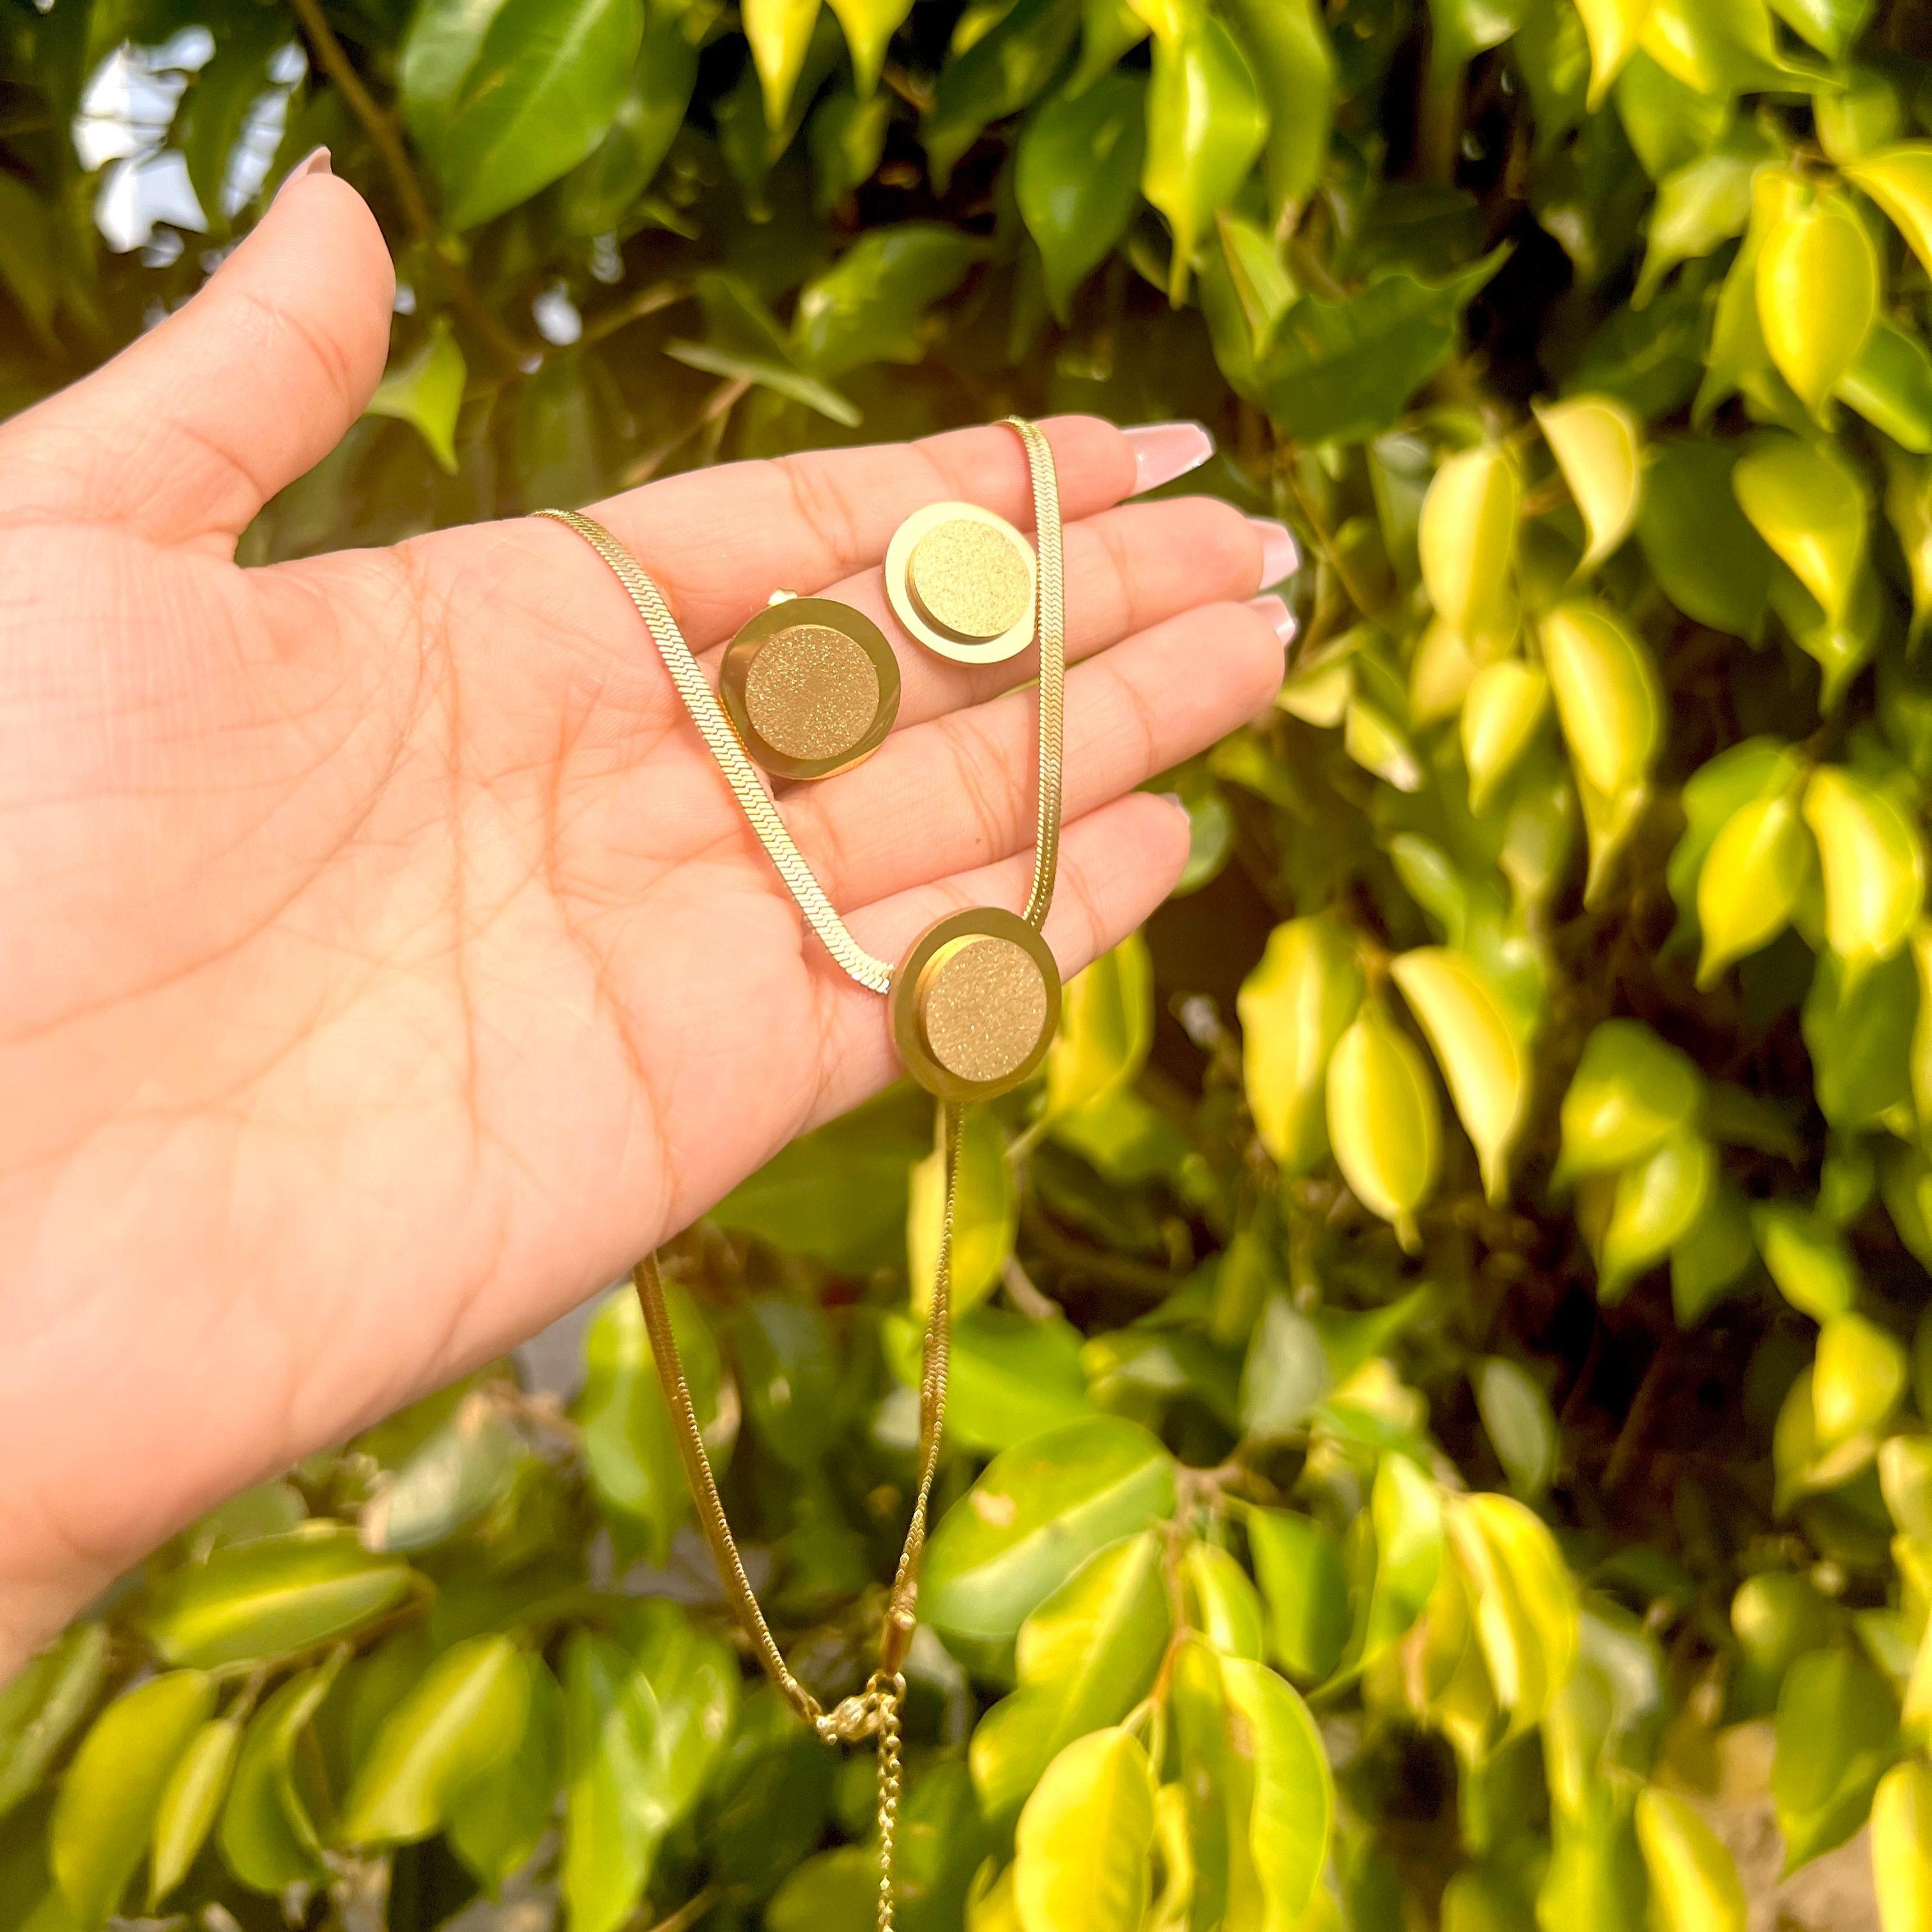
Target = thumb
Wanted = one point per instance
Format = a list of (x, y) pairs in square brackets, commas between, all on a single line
[(188, 432)]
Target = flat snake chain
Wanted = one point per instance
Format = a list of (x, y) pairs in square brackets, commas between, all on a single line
[(876, 1710)]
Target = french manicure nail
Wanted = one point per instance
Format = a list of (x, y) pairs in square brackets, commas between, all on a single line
[(316, 163), (1275, 610), (1174, 799), (1281, 555), (1163, 451)]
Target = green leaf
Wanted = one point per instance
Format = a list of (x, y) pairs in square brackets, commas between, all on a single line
[(274, 1597), (847, 138), (839, 1195), (1293, 1799), (1526, 1615), (985, 1213), (1859, 1034), (1889, 383), (1630, 1094), (457, 1472), (1812, 509), (1011, 1377), (1873, 860), (1708, 560), (1343, 370), (869, 306), (191, 1803), (444, 40), (1222, 1603), (629, 1448), (1700, 206), (426, 392), (1286, 1374), (1077, 177), (1288, 53), (268, 1835), (1106, 1026), (1294, 1006), (1206, 123), (1036, 1512), (1405, 1513), (1901, 1842), (214, 116), (545, 86), (496, 1819), (1807, 1259), (1084, 1658), (1832, 26), (112, 1792), (1298, 1564), (1857, 1378), (1837, 1728), (43, 1705), (999, 74), (1712, 1257), (1517, 1420), (771, 1795), (1757, 865), (780, 33), (1899, 180), (1658, 1200), (466, 1714), (1085, 1841), (597, 194), (608, 1842), (789, 1370), (1817, 296)]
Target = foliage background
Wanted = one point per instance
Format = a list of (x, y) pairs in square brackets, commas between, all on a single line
[(1466, 1265)]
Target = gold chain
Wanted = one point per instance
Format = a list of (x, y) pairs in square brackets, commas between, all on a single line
[(876, 1710), (708, 715)]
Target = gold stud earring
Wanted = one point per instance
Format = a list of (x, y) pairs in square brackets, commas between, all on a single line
[(975, 1004), (811, 686), (964, 582)]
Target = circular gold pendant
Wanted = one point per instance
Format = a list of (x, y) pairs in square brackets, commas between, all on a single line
[(964, 582), (975, 1004), (811, 686)]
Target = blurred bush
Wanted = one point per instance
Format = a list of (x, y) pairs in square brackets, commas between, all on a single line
[(1439, 1430)]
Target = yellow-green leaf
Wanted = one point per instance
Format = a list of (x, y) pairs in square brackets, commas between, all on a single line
[(1630, 1094), (1811, 508), (1873, 862), (869, 25), (985, 1213), (1901, 1849), (1384, 1122), (1817, 296), (1806, 1259), (1478, 1047), (1656, 1203), (189, 1805), (1751, 877), (1467, 536), (1613, 28), (779, 32), (1599, 448), (1525, 1602), (1899, 180), (1294, 1006), (1856, 1380), (1607, 700), (1106, 1026), (426, 392), (1083, 1851), (1206, 125), (1277, 1745), (1500, 712), (112, 1791), (1694, 1885)]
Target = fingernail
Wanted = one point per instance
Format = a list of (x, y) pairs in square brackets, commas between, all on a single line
[(315, 163), (1174, 799), (1275, 610), (1281, 555), (1165, 450)]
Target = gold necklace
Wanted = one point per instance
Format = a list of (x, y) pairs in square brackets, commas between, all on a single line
[(974, 1002)]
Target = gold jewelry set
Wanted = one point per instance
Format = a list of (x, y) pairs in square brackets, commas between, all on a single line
[(809, 688)]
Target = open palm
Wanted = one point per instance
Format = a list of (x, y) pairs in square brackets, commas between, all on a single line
[(385, 963)]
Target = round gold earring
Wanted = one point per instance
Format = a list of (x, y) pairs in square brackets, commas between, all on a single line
[(975, 1004), (810, 686), (964, 582)]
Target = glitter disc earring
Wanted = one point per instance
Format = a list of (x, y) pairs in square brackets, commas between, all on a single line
[(964, 582), (811, 686)]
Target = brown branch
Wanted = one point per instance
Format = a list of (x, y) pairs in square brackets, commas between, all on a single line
[(621, 315), (688, 1914), (334, 62)]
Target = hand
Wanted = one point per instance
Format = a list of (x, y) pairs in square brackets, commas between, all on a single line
[(385, 964)]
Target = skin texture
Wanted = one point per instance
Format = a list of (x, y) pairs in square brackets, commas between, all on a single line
[(385, 964)]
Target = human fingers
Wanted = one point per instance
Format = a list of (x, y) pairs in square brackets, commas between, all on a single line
[(191, 428), (1116, 866), (959, 791)]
